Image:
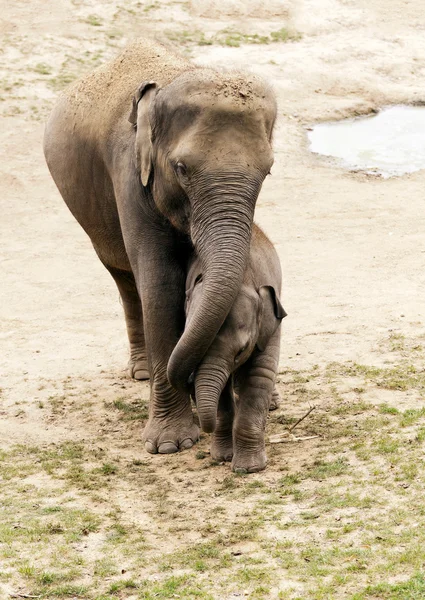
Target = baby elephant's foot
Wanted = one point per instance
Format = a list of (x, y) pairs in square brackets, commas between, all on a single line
[(249, 462), (165, 436), (138, 368), (275, 400), (222, 447)]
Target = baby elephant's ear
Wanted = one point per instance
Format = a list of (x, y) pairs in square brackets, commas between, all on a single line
[(270, 315)]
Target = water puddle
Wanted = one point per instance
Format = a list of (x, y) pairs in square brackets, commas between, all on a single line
[(390, 143)]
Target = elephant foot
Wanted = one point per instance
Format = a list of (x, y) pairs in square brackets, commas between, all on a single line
[(222, 447), (275, 400), (166, 436), (244, 462), (138, 368)]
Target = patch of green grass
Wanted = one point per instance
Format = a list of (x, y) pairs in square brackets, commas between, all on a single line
[(43, 69), (323, 469), (201, 557), (384, 409), (230, 482), (245, 530), (420, 435), (63, 591), (412, 416), (235, 39), (28, 571), (247, 575), (105, 567), (229, 37), (397, 341), (412, 589), (108, 469), (85, 478), (387, 445), (182, 586), (123, 584), (60, 81), (350, 407), (330, 499), (94, 20), (132, 410), (152, 6), (189, 37), (402, 376)]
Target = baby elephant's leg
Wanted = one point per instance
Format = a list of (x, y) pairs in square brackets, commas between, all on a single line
[(222, 440), (256, 386)]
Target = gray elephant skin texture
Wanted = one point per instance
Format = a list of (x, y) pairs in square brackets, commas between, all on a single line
[(155, 157), (234, 384)]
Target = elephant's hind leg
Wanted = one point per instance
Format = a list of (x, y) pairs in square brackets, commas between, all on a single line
[(138, 364), (275, 400)]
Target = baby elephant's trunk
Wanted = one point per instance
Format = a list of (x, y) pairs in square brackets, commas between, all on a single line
[(210, 380)]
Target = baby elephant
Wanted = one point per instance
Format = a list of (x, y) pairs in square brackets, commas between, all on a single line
[(234, 384)]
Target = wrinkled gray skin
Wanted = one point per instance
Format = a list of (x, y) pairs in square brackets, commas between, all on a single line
[(153, 157), (244, 355)]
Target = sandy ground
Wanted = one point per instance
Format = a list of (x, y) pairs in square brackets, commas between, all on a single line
[(352, 246)]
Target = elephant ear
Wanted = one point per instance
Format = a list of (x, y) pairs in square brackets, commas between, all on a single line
[(271, 313), (139, 118)]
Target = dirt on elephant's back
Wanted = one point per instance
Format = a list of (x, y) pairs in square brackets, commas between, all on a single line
[(116, 81)]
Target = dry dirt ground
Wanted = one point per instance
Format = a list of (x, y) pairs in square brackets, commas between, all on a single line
[(84, 511)]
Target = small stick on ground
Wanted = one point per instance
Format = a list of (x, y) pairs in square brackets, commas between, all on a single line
[(287, 438), (22, 596), (302, 418)]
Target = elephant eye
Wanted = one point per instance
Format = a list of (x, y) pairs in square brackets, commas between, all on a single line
[(241, 351), (181, 169)]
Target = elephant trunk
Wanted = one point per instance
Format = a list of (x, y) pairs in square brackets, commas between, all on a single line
[(221, 233), (210, 380)]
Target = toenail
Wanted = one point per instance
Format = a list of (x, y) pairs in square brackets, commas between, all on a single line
[(185, 444), (167, 448), (141, 375), (151, 447)]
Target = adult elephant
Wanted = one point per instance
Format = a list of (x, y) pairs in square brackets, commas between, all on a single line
[(185, 168)]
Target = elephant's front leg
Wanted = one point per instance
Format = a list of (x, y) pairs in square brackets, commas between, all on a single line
[(222, 438), (256, 385), (160, 280), (170, 426)]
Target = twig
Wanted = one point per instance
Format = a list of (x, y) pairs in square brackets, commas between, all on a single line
[(302, 418), (287, 438), (22, 596)]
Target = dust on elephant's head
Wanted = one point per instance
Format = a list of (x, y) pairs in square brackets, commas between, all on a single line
[(204, 128)]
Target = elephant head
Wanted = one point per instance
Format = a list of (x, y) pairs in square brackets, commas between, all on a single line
[(251, 322), (203, 148)]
